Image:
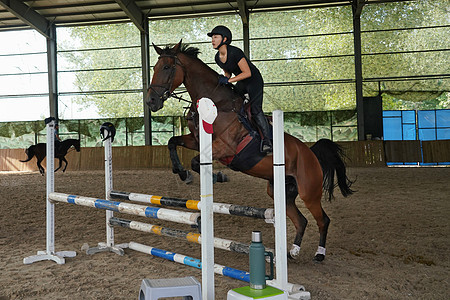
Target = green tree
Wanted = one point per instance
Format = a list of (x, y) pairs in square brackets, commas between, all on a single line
[(396, 49), (107, 61), (305, 56)]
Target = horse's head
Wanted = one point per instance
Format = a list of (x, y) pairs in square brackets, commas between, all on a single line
[(167, 76), (76, 144)]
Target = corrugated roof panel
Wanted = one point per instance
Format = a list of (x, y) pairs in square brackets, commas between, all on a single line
[(63, 12)]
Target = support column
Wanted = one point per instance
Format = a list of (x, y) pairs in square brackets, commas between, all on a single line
[(145, 62), (52, 72), (243, 12), (357, 8), (246, 32)]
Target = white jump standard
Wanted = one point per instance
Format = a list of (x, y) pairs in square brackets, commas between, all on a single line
[(206, 205), (49, 253)]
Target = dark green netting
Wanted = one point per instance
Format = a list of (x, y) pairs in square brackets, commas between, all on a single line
[(307, 126), (5, 130)]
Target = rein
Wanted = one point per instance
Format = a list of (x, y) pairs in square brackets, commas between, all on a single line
[(168, 86)]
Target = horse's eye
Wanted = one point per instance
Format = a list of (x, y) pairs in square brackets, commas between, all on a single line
[(166, 67)]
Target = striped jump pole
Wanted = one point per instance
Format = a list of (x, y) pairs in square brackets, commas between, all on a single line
[(129, 208), (192, 237), (189, 261), (266, 214), (197, 263)]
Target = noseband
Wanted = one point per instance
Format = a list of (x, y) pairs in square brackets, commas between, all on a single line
[(166, 94)]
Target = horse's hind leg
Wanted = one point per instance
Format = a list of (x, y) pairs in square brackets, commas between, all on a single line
[(323, 221), (310, 184), (41, 169), (60, 164), (293, 213), (65, 166), (320, 254)]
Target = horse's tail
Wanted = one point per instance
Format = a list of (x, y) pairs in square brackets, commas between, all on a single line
[(30, 153), (330, 156)]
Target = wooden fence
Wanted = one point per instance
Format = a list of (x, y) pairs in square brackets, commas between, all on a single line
[(358, 154)]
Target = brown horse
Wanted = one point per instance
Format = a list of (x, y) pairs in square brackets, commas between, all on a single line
[(308, 171), (40, 151)]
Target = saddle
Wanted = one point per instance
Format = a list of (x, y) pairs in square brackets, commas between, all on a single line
[(248, 152)]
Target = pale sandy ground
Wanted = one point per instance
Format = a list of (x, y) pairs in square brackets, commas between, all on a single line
[(390, 240)]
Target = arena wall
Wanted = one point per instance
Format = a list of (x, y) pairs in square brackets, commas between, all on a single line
[(358, 154)]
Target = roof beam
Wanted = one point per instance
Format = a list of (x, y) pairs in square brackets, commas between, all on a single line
[(357, 7), (133, 12), (243, 11), (27, 15)]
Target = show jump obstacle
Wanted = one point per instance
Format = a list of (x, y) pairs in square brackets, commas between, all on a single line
[(206, 207)]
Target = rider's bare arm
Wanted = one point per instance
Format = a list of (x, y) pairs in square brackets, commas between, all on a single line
[(245, 69)]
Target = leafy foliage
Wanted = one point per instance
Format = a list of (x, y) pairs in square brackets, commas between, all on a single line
[(305, 56)]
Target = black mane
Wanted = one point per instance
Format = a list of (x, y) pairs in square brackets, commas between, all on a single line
[(185, 49)]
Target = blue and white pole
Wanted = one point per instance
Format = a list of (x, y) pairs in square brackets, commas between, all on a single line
[(190, 261)]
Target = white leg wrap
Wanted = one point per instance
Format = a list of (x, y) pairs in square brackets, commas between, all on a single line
[(295, 250), (321, 250)]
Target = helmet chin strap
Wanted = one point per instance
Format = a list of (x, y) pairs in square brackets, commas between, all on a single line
[(221, 43)]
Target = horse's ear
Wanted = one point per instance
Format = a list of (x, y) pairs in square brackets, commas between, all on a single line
[(177, 47), (157, 49)]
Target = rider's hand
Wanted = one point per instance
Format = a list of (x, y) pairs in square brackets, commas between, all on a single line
[(223, 80)]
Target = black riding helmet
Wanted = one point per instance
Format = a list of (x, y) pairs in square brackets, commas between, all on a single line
[(108, 130), (224, 32)]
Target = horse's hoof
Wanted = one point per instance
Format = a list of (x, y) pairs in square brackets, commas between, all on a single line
[(188, 178), (294, 252), (319, 258), (221, 177), (183, 175)]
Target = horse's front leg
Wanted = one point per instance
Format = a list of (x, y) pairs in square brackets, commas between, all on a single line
[(217, 177), (60, 164), (187, 141)]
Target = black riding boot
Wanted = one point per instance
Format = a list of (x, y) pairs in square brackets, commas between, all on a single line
[(261, 121)]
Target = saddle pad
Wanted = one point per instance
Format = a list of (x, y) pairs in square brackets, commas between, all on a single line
[(247, 154)]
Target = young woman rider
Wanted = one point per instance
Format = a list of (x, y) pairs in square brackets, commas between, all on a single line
[(247, 77)]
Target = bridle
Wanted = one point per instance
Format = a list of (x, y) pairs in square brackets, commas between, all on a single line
[(166, 94)]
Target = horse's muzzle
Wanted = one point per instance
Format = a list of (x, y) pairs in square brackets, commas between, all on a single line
[(156, 101), (154, 104)]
